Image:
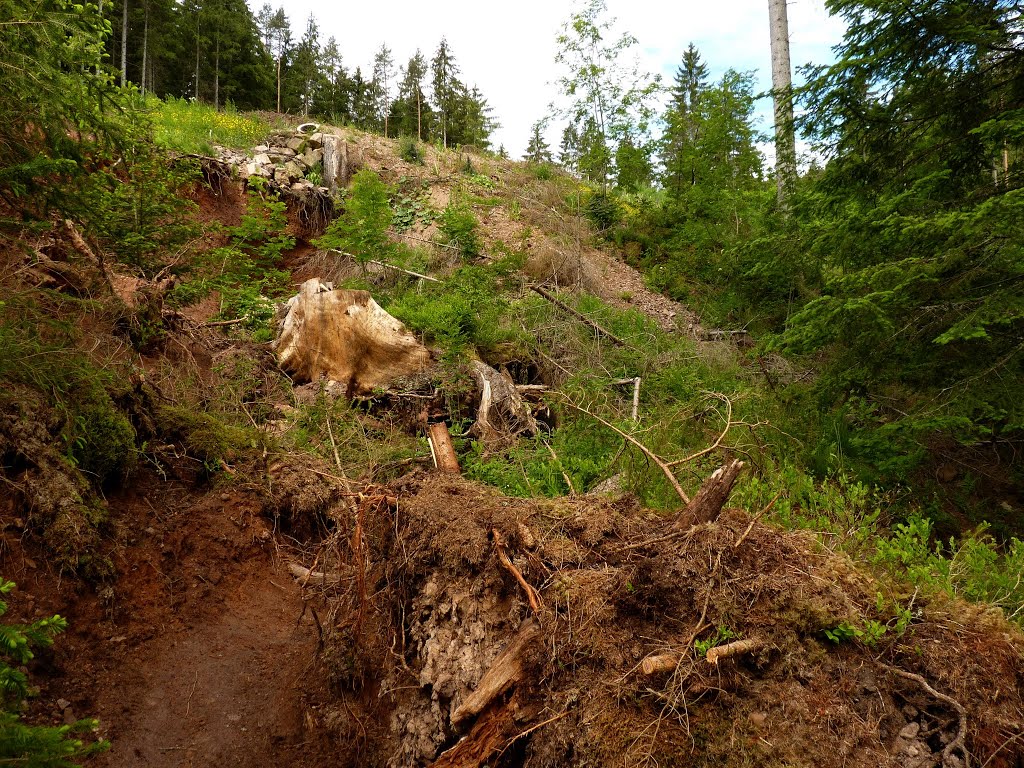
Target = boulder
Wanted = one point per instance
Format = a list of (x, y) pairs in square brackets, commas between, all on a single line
[(312, 157), (345, 336), (315, 140), (262, 158), (296, 143), (293, 170)]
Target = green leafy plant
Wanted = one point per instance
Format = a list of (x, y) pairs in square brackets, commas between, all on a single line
[(409, 150), (362, 229), (33, 745), (460, 229), (722, 635)]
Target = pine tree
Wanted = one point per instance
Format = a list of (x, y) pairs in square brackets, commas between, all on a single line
[(445, 86), (537, 150), (411, 114), (380, 88)]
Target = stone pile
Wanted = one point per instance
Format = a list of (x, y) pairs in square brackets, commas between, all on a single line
[(286, 160)]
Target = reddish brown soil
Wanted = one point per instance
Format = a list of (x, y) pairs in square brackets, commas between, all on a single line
[(199, 654)]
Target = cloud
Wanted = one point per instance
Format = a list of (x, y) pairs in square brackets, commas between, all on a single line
[(508, 49)]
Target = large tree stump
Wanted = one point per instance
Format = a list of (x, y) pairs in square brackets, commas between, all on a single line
[(707, 504), (345, 336)]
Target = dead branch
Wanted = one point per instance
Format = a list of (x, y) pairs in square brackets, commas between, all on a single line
[(385, 265), (721, 437), (708, 503), (958, 742), (635, 382), (756, 517), (224, 323), (737, 648), (305, 576), (505, 672), (665, 468), (532, 596), (665, 662), (578, 315)]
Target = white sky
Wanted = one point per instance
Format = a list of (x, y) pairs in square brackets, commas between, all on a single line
[(508, 50)]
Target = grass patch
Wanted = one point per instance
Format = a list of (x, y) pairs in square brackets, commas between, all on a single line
[(188, 126)]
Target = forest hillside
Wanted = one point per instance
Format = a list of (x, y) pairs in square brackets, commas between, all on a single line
[(325, 445)]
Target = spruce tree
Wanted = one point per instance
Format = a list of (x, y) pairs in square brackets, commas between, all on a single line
[(537, 150)]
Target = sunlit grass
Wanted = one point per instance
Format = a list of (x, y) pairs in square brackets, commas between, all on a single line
[(188, 126)]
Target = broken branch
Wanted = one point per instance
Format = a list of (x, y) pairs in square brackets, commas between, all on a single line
[(502, 674), (646, 451), (708, 503), (578, 315), (737, 648)]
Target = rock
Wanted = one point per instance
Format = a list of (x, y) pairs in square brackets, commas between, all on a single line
[(312, 157), (262, 158), (296, 143), (63, 704), (281, 175), (758, 718), (315, 140), (293, 170), (910, 730), (281, 153), (260, 148), (69, 717)]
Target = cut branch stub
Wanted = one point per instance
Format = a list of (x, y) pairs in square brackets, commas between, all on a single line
[(441, 448), (707, 504)]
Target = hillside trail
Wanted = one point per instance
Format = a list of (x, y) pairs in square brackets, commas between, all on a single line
[(200, 654)]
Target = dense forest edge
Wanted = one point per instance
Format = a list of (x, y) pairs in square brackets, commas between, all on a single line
[(852, 335)]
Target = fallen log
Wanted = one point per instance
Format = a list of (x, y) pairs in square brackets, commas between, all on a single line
[(707, 504), (505, 672), (306, 577), (656, 665)]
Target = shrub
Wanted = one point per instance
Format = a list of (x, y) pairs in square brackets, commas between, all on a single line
[(362, 229), (409, 150), (459, 228)]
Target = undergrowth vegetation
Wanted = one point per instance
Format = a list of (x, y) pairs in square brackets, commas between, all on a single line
[(189, 126)]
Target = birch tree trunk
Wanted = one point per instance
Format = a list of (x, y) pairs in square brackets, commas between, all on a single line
[(782, 87)]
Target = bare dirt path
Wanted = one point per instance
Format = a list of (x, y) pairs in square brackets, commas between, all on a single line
[(200, 653)]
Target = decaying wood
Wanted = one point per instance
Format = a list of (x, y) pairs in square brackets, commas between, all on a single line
[(707, 504), (441, 448), (506, 671), (578, 315), (635, 382), (409, 272), (345, 336), (658, 664), (737, 648), (532, 596), (489, 735), (502, 411)]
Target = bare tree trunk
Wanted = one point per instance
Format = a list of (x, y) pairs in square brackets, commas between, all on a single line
[(196, 94), (279, 83), (419, 116), (216, 73), (782, 87), (145, 46), (124, 43)]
